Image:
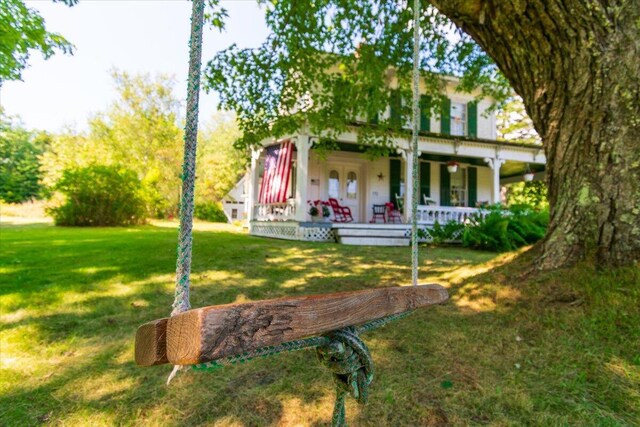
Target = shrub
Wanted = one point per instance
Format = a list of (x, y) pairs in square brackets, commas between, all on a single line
[(442, 233), (99, 196), (19, 165), (506, 229), (210, 211)]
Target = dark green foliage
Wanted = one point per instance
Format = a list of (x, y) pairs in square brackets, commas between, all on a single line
[(99, 196), (210, 211), (506, 229), (19, 164), (532, 193), (442, 233)]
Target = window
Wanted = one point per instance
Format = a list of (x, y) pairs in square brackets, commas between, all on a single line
[(352, 185), (458, 118), (234, 213), (459, 187), (334, 184)]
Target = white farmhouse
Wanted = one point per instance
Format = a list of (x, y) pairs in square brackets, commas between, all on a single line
[(287, 175)]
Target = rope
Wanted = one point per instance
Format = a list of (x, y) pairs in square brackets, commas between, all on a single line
[(349, 359), (183, 268), (414, 143)]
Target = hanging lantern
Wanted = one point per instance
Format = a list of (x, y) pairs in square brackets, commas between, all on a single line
[(528, 175), (452, 166)]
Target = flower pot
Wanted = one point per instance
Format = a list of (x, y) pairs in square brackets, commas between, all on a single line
[(528, 177), (452, 168), (317, 218)]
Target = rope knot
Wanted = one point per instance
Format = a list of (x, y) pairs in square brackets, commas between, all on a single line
[(348, 358)]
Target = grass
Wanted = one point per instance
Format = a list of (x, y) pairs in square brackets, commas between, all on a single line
[(556, 349)]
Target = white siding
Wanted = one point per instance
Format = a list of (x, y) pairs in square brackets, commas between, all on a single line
[(377, 189), (435, 181), (486, 125)]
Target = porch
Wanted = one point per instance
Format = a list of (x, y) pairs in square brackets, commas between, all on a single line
[(278, 221), (427, 215), (359, 185)]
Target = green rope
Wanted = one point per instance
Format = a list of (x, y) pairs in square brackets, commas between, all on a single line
[(349, 359), (183, 268), (414, 143)]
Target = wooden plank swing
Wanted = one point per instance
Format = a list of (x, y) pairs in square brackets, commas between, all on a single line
[(214, 336), (205, 334)]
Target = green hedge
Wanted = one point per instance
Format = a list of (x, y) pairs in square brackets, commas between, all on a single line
[(99, 196), (501, 229), (210, 211)]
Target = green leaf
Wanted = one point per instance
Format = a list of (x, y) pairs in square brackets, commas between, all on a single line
[(446, 384)]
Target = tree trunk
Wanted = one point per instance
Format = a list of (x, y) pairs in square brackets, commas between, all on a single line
[(576, 65)]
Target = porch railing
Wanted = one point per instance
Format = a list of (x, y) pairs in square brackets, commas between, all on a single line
[(275, 211), (445, 214)]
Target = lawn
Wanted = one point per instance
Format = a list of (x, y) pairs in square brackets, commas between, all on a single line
[(507, 349)]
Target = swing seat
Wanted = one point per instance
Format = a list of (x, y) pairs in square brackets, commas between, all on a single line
[(205, 334)]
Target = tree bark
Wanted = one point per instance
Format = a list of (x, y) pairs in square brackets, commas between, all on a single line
[(576, 65)]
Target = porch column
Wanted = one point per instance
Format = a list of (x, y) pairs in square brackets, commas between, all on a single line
[(254, 175), (408, 185), (302, 177), (495, 164)]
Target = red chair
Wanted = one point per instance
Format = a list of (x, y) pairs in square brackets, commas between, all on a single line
[(393, 214), (340, 213)]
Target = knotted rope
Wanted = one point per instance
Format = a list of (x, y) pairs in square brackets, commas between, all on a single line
[(348, 358)]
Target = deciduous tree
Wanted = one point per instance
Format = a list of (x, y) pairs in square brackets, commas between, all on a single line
[(22, 30)]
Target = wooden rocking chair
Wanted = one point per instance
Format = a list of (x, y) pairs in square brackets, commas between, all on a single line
[(340, 213)]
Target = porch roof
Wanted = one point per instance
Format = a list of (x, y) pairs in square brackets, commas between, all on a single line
[(443, 148)]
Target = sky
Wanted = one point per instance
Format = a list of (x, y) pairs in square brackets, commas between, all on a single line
[(137, 36)]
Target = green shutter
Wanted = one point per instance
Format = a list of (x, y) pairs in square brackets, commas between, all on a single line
[(472, 120), (396, 109), (445, 117), (472, 181), (425, 181), (394, 179), (425, 113), (445, 186)]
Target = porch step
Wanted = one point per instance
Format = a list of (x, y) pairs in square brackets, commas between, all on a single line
[(367, 232), (371, 236), (373, 241)]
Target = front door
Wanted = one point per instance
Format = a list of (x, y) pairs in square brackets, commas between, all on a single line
[(344, 183)]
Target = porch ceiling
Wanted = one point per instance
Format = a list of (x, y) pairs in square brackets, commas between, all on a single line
[(507, 170), (510, 169)]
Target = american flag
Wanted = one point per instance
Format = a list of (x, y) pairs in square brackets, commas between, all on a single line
[(277, 167)]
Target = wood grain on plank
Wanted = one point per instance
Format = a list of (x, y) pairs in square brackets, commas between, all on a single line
[(151, 343), (210, 333)]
